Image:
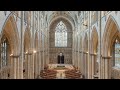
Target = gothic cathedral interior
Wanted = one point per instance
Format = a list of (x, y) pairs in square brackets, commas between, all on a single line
[(59, 45)]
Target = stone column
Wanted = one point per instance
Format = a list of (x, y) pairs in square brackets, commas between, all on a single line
[(42, 61), (81, 60), (106, 68), (93, 63), (73, 53), (11, 68), (39, 61), (83, 67), (48, 49), (93, 66), (87, 70), (100, 46), (45, 57), (88, 55), (75, 58), (14, 73), (14, 67), (101, 71), (35, 65), (78, 60), (29, 65), (37, 58), (22, 47), (43, 53), (18, 67), (39, 45), (26, 66), (90, 62), (32, 65), (85, 64), (73, 49)]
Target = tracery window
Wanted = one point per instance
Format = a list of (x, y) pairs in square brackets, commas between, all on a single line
[(117, 54), (60, 35), (4, 52)]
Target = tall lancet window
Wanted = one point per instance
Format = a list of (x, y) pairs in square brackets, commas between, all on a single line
[(4, 52), (60, 35), (117, 54)]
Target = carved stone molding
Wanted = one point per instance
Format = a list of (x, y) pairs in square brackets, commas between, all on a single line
[(93, 54)]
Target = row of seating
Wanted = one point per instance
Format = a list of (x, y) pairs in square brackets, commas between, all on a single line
[(48, 74), (73, 74)]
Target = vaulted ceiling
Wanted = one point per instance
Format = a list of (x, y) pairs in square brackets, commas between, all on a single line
[(72, 16)]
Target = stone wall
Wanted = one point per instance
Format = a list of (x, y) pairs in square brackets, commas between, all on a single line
[(67, 52), (55, 51)]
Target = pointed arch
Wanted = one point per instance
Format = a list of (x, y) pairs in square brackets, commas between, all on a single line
[(10, 30), (52, 46), (67, 22), (94, 40), (53, 18), (110, 33)]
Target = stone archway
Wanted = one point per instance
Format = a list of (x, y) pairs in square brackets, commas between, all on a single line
[(110, 34), (55, 50), (10, 32)]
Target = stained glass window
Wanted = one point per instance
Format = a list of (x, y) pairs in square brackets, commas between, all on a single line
[(61, 35)]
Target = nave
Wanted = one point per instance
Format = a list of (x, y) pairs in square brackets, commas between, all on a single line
[(60, 44)]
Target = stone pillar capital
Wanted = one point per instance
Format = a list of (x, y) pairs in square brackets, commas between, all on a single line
[(93, 54), (14, 55), (85, 52)]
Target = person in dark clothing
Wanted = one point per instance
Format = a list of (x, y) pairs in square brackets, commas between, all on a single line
[(61, 59)]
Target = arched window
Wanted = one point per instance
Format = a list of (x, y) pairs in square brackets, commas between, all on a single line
[(60, 35), (4, 52), (117, 54)]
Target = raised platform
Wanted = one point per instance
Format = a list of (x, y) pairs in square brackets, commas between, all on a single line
[(60, 68), (61, 71)]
